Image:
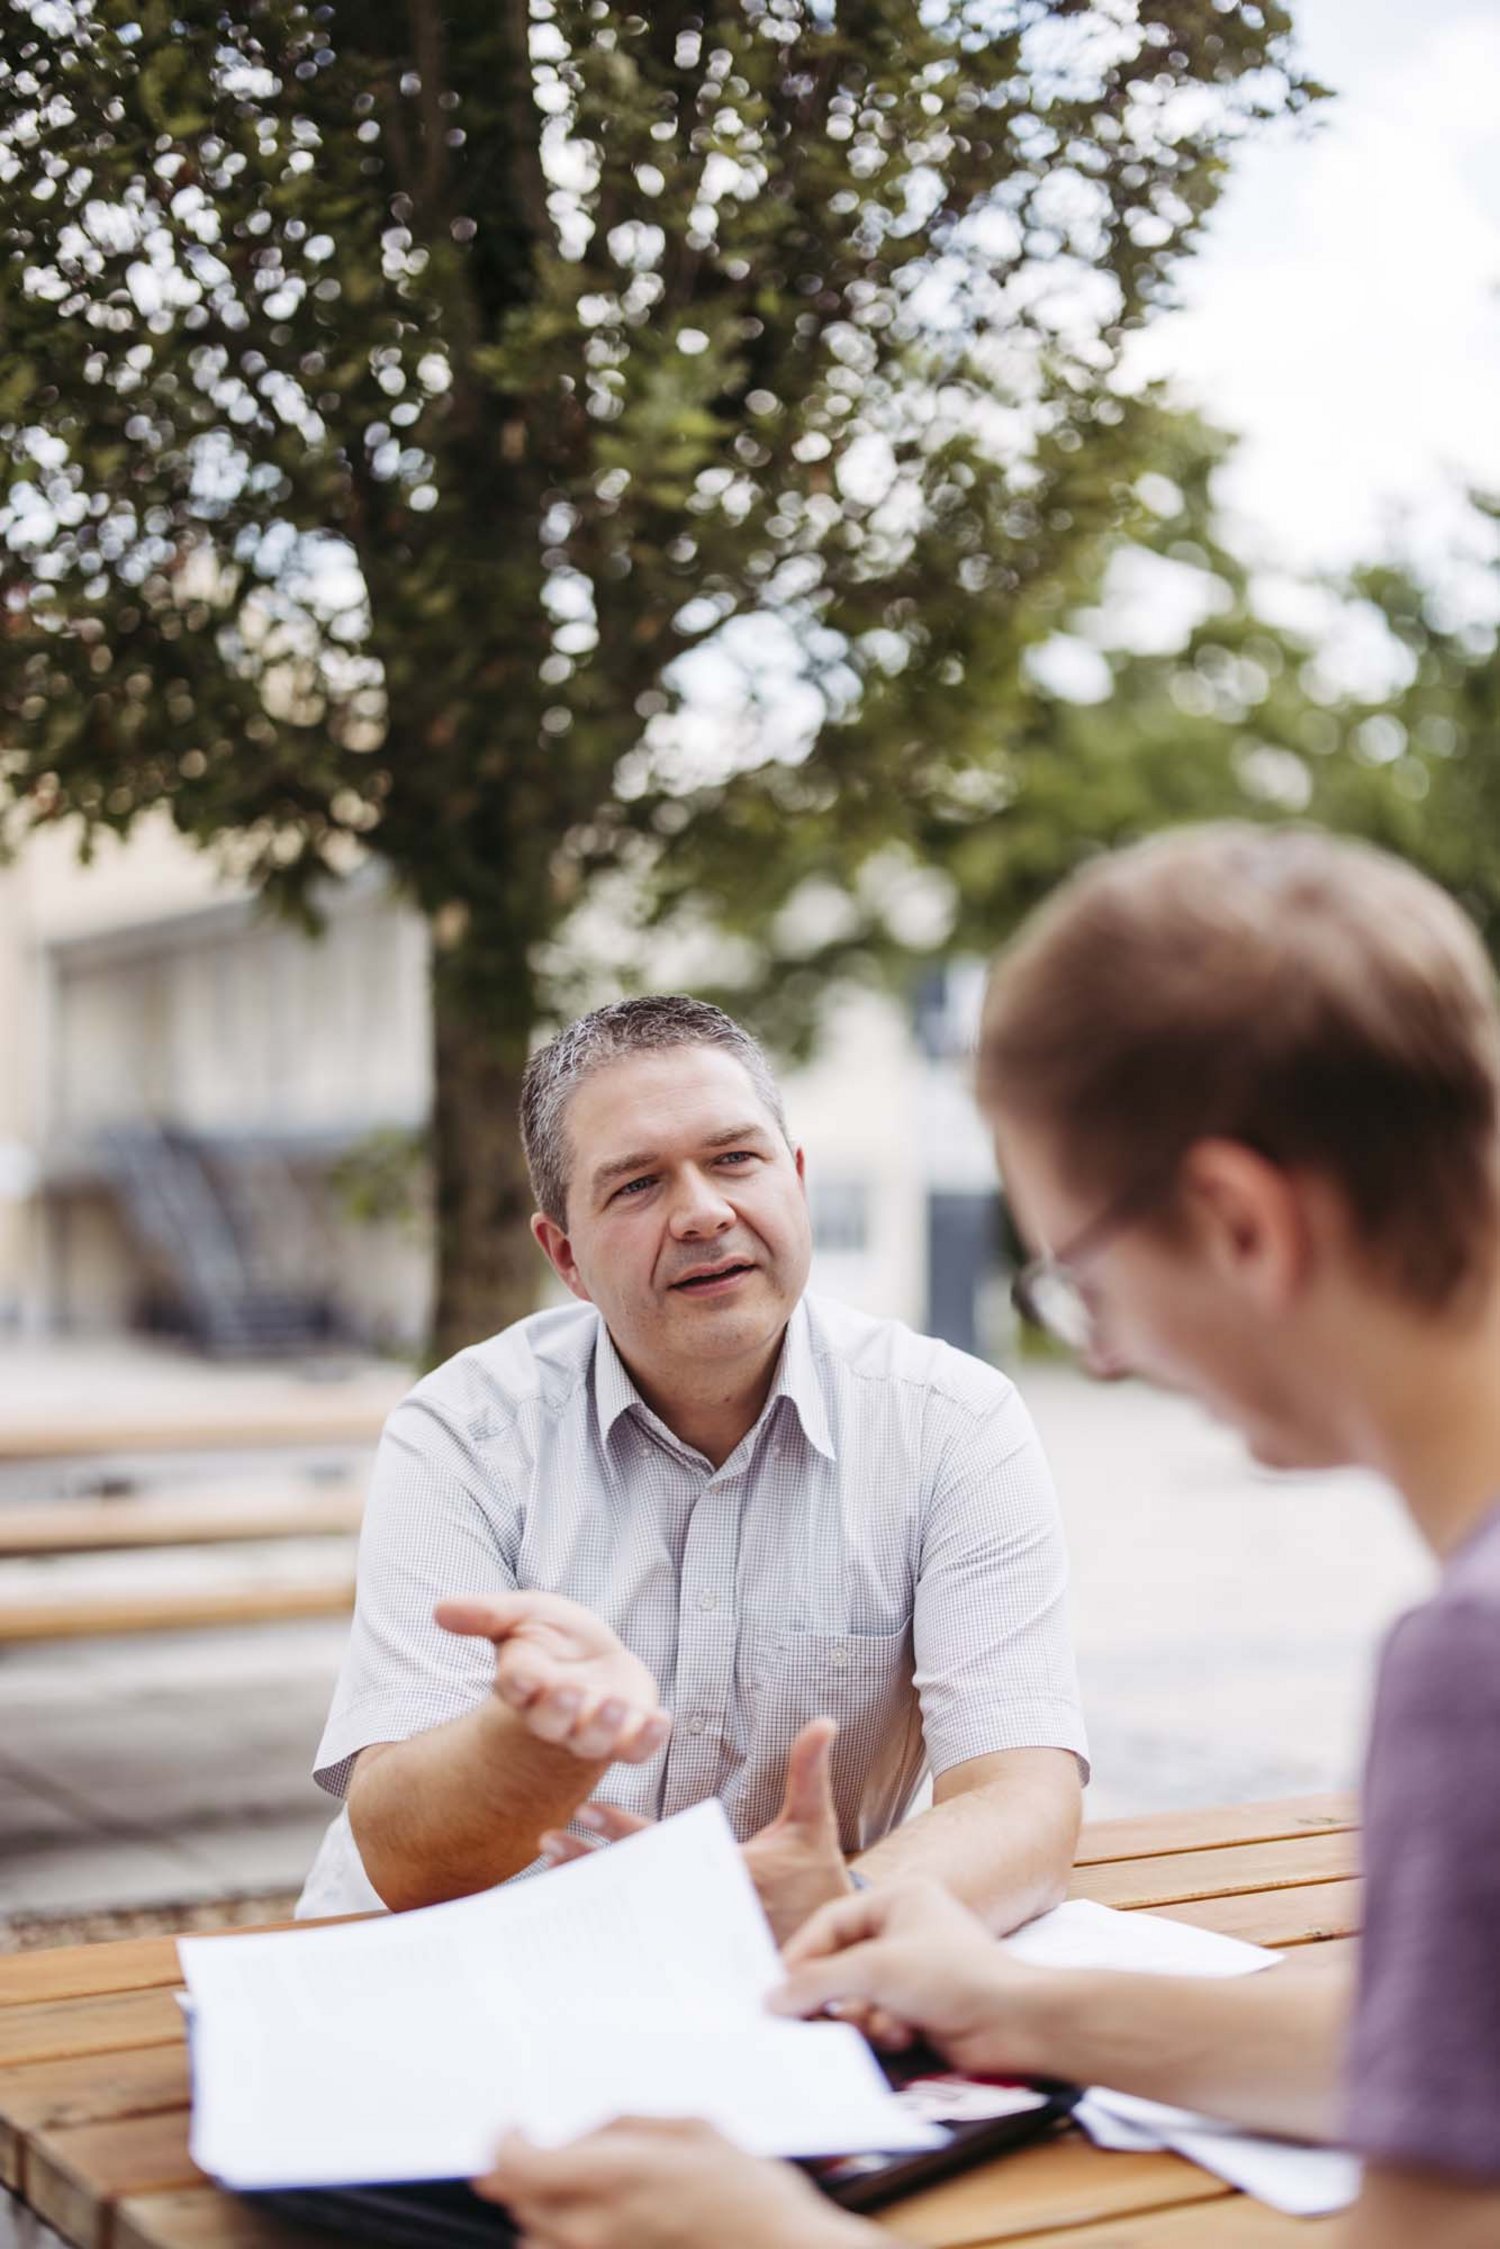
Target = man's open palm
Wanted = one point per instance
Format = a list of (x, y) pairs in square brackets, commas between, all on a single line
[(569, 1679), (796, 1862)]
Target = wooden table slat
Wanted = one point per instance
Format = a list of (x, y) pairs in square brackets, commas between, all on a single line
[(1208, 1829), (1281, 1918), (1183, 1875), (89, 2026), (203, 2217), (86, 2089), (1233, 2222), (73, 2176), (87, 1971), (1060, 2183)]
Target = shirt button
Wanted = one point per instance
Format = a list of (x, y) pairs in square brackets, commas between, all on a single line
[(697, 1722), (708, 1600), (840, 1658)]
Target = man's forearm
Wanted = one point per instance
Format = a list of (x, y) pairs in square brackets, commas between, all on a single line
[(460, 1807), (1261, 2051), (1004, 1847)]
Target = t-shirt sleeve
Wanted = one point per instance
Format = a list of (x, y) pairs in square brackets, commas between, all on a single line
[(440, 1519), (1423, 2074), (994, 1661)]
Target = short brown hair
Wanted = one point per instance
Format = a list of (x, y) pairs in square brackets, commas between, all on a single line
[(1310, 997), (650, 1025)]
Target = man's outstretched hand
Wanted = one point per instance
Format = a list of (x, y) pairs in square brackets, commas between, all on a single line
[(795, 1862), (563, 1672)]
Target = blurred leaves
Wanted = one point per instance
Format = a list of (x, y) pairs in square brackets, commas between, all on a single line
[(611, 465)]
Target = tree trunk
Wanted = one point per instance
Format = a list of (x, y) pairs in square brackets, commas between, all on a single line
[(488, 1269)]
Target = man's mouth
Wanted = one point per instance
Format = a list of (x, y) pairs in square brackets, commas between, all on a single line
[(699, 1284)]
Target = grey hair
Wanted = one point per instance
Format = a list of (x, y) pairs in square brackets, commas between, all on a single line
[(651, 1025)]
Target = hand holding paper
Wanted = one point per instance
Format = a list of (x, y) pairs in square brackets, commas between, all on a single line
[(913, 1951), (646, 2184), (403, 2049)]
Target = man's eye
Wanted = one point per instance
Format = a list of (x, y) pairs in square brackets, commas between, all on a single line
[(632, 1185), (739, 1156)]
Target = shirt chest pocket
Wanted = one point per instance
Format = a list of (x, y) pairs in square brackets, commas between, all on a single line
[(862, 1680)]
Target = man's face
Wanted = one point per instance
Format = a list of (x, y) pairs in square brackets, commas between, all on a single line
[(687, 1220), (1223, 1308)]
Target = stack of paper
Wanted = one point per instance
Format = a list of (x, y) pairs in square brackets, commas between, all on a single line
[(1303, 2181), (632, 1982)]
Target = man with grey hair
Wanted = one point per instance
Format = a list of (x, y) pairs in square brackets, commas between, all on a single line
[(700, 1534)]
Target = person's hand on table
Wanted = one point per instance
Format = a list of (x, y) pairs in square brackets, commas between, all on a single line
[(565, 1674), (917, 1957), (795, 1862), (645, 2183)]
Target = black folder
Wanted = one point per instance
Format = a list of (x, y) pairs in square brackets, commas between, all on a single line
[(448, 2214)]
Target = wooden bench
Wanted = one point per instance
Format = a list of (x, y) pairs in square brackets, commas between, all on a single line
[(100, 1615), (94, 2086), (81, 1456), (213, 1516), (222, 1426), (35, 1606)]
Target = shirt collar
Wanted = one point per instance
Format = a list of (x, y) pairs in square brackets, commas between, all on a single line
[(796, 1380)]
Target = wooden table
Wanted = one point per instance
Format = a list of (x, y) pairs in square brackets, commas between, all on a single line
[(94, 2085)]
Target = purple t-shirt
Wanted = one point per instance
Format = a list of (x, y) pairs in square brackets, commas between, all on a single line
[(1423, 2071)]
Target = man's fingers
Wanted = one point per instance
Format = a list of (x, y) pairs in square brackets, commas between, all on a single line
[(887, 2031), (561, 1849), (600, 1730), (611, 1821), (520, 1680), (850, 1974), (553, 1713), (601, 2160), (846, 1921), (807, 1800), (558, 1710), (496, 1616), (653, 1731)]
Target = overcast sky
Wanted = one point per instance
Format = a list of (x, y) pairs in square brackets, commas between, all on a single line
[(1344, 312)]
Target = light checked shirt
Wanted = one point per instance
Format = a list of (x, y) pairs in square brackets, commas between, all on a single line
[(883, 1548)]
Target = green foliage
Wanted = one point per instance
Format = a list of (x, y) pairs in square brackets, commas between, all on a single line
[(383, 1180), (396, 395), (415, 410)]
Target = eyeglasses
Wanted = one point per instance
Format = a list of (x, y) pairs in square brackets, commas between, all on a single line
[(1048, 1293)]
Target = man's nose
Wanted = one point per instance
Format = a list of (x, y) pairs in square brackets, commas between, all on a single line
[(700, 1208)]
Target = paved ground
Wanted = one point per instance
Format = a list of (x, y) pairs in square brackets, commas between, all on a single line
[(1225, 1622)]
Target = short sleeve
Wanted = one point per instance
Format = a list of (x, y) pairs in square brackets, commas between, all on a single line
[(1423, 2074), (439, 1521), (994, 1662)]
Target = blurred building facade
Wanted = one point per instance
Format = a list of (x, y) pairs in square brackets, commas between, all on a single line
[(192, 1092)]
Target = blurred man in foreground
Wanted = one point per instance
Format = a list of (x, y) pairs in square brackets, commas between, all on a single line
[(1245, 1088), (830, 1547)]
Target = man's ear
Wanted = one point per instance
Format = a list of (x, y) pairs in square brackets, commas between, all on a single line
[(1249, 1216), (558, 1251), (799, 1161)]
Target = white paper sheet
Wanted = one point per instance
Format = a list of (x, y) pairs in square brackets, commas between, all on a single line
[(1081, 1934), (631, 1981), (1302, 2181)]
